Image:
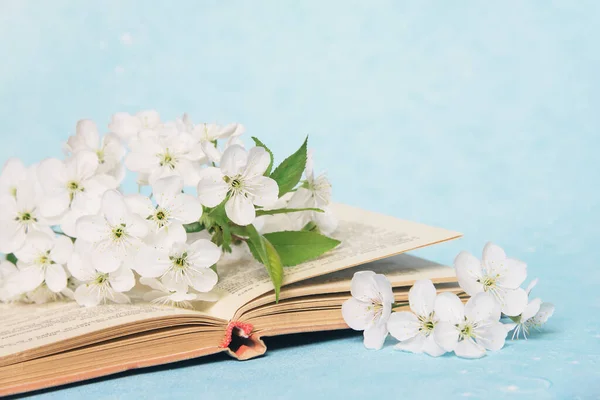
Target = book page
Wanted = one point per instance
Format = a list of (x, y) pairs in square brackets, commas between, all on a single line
[(402, 270), (366, 236), (28, 326)]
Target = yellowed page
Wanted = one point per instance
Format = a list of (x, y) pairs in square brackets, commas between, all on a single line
[(366, 236), (25, 327), (402, 270)]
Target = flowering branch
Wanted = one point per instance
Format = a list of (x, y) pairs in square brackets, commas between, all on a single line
[(435, 323), (77, 236)]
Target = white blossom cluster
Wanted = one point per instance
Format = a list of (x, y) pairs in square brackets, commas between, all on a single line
[(69, 232), (440, 323)]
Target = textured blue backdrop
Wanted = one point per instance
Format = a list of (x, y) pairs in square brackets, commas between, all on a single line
[(475, 116)]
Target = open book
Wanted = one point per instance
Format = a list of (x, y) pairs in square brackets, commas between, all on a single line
[(53, 344)]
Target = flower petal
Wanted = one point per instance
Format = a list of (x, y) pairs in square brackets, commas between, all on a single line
[(446, 335), (512, 273), (105, 258), (86, 164), (233, 161), (114, 208), (514, 302), (136, 226), (492, 252), (545, 312), (492, 336), (531, 309), (258, 162), (468, 272), (422, 297), (174, 282), (12, 236), (209, 149), (140, 205), (203, 254), (264, 191), (204, 279), (412, 345), (448, 307), (212, 189), (482, 307), (56, 278), (122, 279), (531, 285), (364, 287), (62, 250), (374, 336), (326, 221), (403, 325), (92, 228), (152, 262), (87, 295), (51, 174), (54, 205), (357, 314), (186, 209), (240, 210), (166, 189), (432, 348), (469, 349), (30, 278), (80, 268)]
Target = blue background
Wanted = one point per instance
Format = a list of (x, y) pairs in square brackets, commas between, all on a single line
[(475, 116)]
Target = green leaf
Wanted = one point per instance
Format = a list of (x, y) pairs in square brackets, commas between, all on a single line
[(11, 258), (288, 173), (254, 251), (260, 213), (266, 253), (297, 247), (261, 144), (274, 267)]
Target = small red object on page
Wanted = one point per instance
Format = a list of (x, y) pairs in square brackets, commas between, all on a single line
[(243, 328)]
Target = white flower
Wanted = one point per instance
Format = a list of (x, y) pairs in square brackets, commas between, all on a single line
[(127, 126), (97, 286), (42, 260), (213, 132), (534, 315), (208, 135), (149, 119), (415, 329), (8, 288), (157, 156), (370, 307), (469, 329), (314, 193), (213, 153), (174, 209), (116, 234), (73, 182), (20, 216), (240, 179), (13, 173), (496, 274), (163, 296), (109, 151), (181, 265)]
